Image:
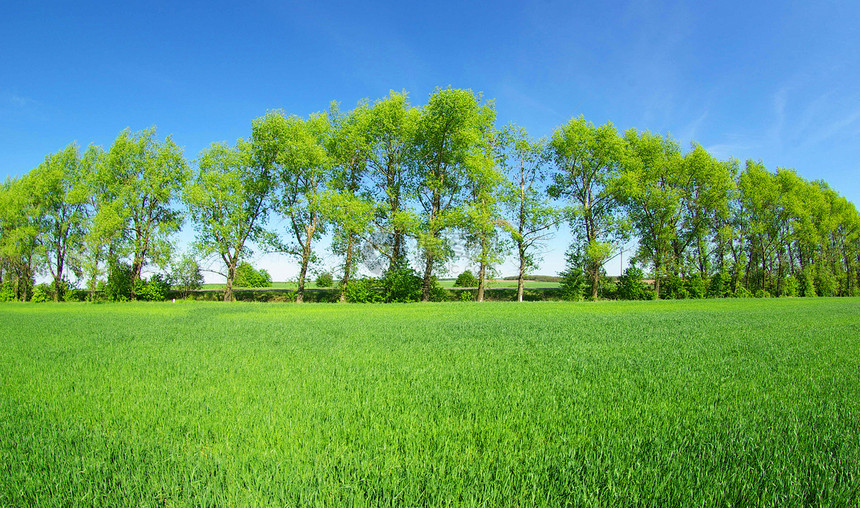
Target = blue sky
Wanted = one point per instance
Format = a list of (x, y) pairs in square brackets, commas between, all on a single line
[(776, 81)]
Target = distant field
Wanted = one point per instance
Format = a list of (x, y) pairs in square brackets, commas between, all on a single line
[(446, 283), (715, 402)]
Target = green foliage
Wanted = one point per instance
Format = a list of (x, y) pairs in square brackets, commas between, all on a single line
[(742, 292), (632, 285), (806, 282), (825, 282), (186, 275), (324, 280), (41, 294), (363, 291), (7, 292), (153, 290), (466, 280), (119, 282), (720, 286), (572, 283), (401, 285), (789, 287), (248, 277)]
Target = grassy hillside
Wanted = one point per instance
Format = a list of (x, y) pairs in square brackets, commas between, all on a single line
[(742, 402)]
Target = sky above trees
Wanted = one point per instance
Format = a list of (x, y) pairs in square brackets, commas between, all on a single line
[(775, 81)]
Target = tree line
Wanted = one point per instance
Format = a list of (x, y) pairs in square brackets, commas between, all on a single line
[(397, 185)]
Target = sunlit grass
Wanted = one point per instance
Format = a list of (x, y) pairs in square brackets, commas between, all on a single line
[(741, 402)]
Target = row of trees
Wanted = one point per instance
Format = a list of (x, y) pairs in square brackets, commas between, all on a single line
[(396, 185)]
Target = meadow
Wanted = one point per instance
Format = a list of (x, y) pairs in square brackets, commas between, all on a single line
[(694, 402)]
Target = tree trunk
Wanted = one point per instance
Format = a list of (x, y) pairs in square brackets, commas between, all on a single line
[(595, 279), (228, 289), (428, 273), (482, 274), (522, 273), (347, 267)]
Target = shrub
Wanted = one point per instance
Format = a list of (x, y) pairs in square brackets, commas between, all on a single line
[(118, 286), (325, 280), (401, 285), (466, 280), (806, 282), (7, 292), (609, 290), (742, 292), (362, 291), (572, 284), (41, 294), (248, 277), (697, 286), (825, 282), (719, 286), (153, 290), (631, 284), (788, 286), (672, 288)]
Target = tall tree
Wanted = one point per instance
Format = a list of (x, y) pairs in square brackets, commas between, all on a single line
[(389, 127), (451, 125), (483, 210), (649, 189), (587, 161), (59, 213), (706, 186), (294, 149), (346, 205), (104, 222), (228, 199), (18, 230), (530, 219), (145, 176)]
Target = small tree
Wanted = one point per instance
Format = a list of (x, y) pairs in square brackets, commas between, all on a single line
[(631, 285), (186, 275), (573, 280)]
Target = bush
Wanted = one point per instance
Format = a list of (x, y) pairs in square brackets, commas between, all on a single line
[(466, 280), (609, 290), (572, 284), (325, 280), (697, 286), (742, 292), (806, 282), (788, 286), (719, 286), (631, 285), (153, 290), (401, 285), (247, 277), (362, 291), (41, 294), (118, 286), (7, 292), (826, 282)]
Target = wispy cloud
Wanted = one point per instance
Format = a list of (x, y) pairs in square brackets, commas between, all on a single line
[(17, 101)]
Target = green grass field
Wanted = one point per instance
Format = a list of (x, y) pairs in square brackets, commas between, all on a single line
[(720, 402)]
